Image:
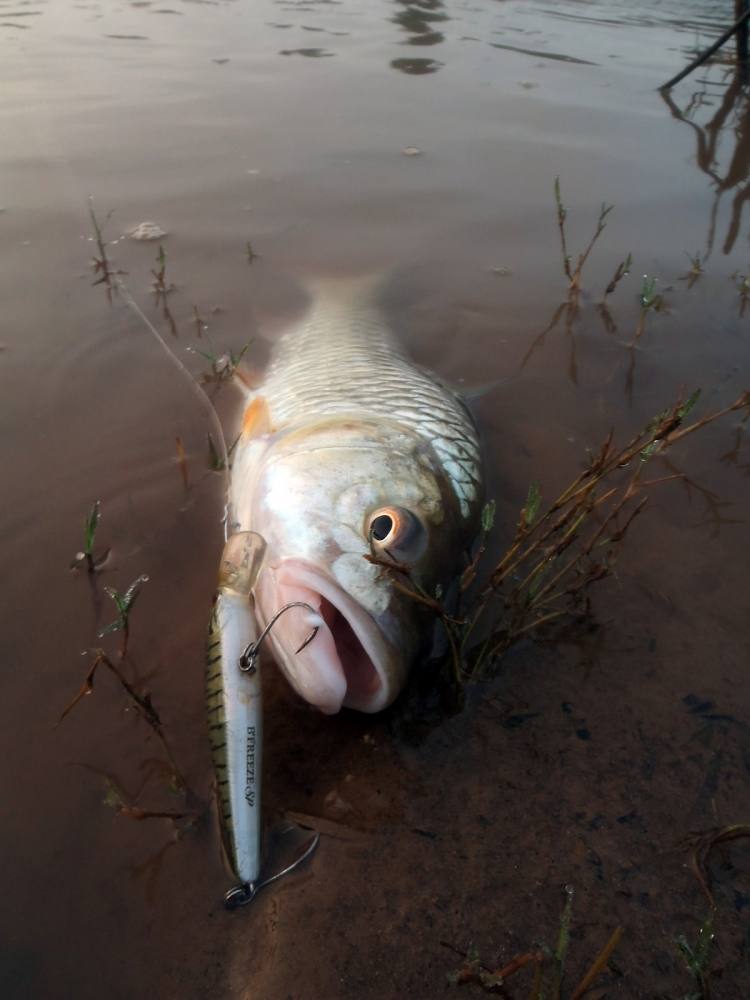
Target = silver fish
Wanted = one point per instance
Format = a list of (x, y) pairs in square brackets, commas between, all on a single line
[(348, 449)]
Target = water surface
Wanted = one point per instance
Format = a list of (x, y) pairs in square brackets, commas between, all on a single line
[(285, 124)]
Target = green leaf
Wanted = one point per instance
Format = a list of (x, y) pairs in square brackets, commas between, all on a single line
[(236, 360), (116, 597), (488, 516), (533, 499), (647, 290), (91, 524), (115, 626), (689, 404), (658, 419), (130, 595), (215, 461), (563, 937), (112, 794)]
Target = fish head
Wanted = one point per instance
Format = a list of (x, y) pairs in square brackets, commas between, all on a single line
[(334, 503)]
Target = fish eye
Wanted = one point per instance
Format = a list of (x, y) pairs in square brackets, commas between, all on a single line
[(394, 528), (381, 527)]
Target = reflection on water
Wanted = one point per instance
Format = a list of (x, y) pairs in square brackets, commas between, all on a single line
[(417, 67), (13, 17), (418, 19), (718, 112), (311, 53), (540, 54)]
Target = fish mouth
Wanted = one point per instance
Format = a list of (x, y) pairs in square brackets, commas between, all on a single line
[(347, 663)]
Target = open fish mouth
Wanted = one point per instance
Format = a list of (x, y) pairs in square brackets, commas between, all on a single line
[(347, 663)]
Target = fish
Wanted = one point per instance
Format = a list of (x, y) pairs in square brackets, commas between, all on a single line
[(350, 455), (347, 450)]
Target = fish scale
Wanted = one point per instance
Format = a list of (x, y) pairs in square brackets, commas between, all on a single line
[(343, 359)]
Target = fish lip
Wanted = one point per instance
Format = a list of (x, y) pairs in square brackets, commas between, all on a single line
[(301, 573)]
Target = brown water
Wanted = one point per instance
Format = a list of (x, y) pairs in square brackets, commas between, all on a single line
[(285, 124)]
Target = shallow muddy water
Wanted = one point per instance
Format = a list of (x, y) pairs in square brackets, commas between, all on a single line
[(285, 124)]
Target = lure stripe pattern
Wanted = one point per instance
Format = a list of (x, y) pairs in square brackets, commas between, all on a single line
[(215, 690)]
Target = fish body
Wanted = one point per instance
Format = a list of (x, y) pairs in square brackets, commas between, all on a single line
[(349, 450)]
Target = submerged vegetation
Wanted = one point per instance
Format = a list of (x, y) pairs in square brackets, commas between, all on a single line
[(547, 964), (224, 366), (124, 604), (87, 557), (559, 551), (104, 272)]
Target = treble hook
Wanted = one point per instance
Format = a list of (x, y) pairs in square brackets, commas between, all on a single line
[(246, 892), (251, 652)]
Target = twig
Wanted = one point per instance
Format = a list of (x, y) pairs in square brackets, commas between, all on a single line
[(598, 965), (142, 703), (706, 55)]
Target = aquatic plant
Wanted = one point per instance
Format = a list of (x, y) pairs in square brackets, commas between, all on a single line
[(548, 964), (574, 275), (102, 265), (698, 956), (160, 285), (215, 461), (650, 300), (742, 284), (223, 366), (86, 555), (250, 252), (569, 309), (621, 271), (142, 704), (162, 288), (696, 268), (558, 552), (201, 326), (124, 604)]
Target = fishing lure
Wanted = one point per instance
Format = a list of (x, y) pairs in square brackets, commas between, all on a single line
[(235, 714), (235, 709)]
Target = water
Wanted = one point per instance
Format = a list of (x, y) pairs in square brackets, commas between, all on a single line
[(285, 124)]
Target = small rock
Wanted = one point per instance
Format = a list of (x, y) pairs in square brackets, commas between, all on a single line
[(147, 231), (527, 84), (411, 151), (336, 807)]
